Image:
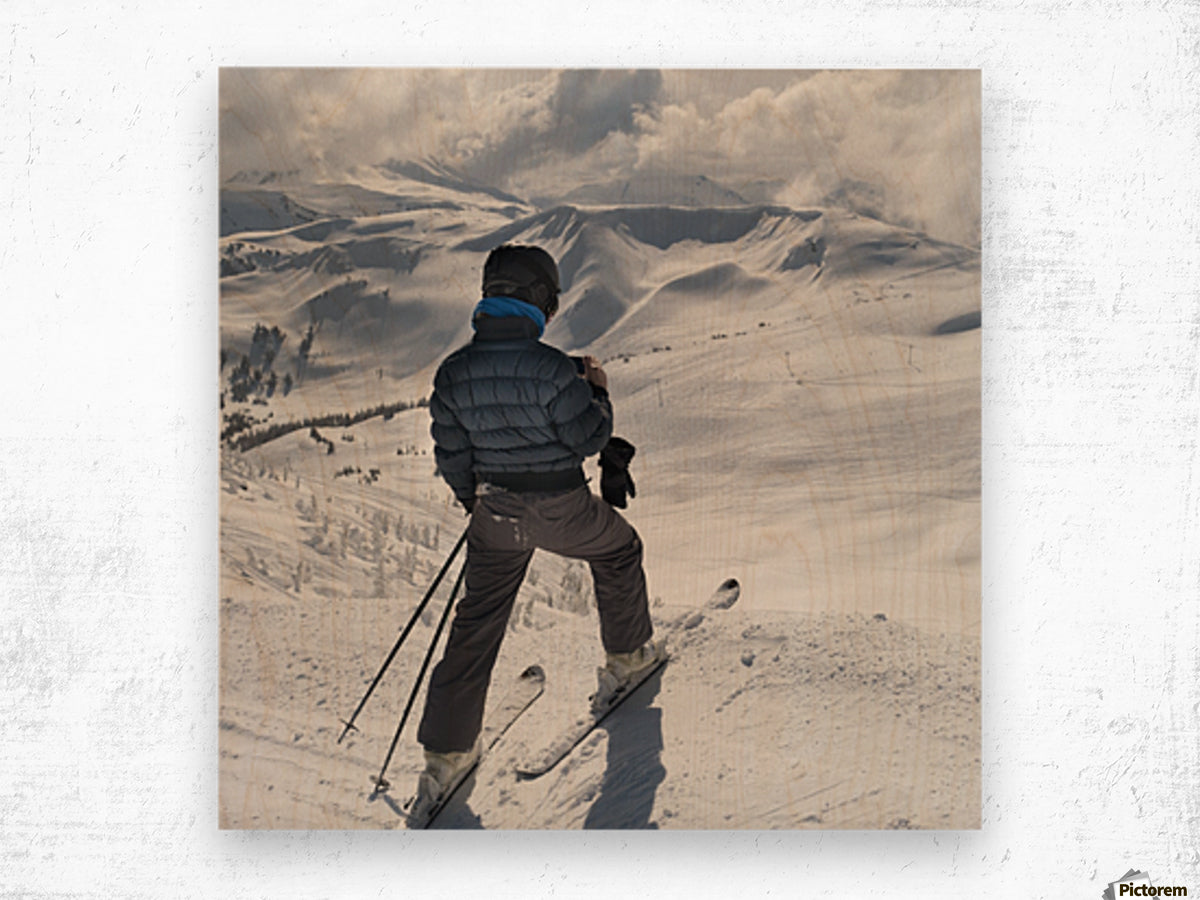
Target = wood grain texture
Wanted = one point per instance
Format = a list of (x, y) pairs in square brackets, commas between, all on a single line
[(1091, 635), (803, 383)]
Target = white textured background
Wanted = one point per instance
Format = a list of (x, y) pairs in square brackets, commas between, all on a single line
[(108, 507)]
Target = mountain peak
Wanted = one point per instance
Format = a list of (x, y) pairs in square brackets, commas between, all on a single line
[(258, 178), (655, 189), (434, 172)]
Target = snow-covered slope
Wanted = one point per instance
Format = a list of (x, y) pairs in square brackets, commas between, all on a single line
[(803, 390)]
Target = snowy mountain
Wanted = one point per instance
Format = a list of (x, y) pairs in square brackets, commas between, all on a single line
[(438, 174), (803, 390), (257, 209), (272, 201), (655, 189)]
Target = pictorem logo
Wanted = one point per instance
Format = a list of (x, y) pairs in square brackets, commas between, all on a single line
[(1137, 884)]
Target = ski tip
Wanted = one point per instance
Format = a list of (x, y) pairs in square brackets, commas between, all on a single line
[(534, 673), (726, 595)]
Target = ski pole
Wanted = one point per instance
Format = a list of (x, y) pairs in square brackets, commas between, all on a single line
[(403, 637), (381, 783)]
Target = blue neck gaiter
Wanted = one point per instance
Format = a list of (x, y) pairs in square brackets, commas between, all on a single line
[(504, 307)]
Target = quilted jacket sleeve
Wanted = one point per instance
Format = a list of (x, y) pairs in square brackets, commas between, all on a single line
[(582, 416), (452, 449)]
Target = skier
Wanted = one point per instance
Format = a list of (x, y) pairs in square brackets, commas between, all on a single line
[(513, 420)]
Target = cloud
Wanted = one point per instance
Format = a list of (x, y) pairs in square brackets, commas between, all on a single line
[(325, 121), (902, 145), (571, 120), (492, 122)]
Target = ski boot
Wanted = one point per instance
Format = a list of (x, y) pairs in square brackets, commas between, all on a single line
[(624, 669), (443, 773)]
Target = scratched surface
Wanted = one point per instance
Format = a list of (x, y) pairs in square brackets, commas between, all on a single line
[(1091, 508)]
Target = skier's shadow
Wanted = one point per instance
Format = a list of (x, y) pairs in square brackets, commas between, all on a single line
[(634, 767), (458, 813)]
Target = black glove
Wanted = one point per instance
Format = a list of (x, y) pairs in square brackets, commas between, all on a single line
[(615, 480), (468, 504)]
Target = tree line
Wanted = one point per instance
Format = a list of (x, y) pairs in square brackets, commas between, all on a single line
[(331, 420)]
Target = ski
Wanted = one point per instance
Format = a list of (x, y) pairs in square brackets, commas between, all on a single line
[(558, 749), (520, 697), (575, 734)]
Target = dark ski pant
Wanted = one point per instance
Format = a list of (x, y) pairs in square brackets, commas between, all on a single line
[(506, 527)]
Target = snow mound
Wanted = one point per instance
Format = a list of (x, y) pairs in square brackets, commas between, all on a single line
[(781, 720)]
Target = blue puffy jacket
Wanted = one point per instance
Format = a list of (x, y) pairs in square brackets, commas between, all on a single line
[(511, 410)]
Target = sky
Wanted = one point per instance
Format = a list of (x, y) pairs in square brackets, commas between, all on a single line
[(901, 145)]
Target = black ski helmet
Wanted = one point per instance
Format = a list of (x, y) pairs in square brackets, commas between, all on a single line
[(525, 272)]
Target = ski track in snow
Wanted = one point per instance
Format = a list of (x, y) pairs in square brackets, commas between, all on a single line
[(811, 431)]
